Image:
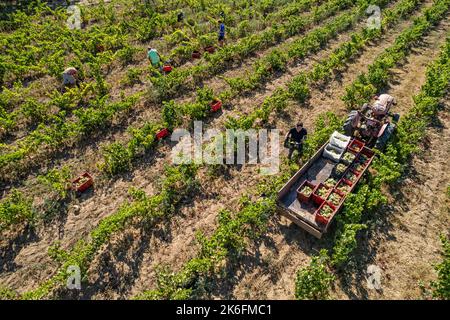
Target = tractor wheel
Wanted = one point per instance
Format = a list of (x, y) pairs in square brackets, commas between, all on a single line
[(348, 124), (381, 142)]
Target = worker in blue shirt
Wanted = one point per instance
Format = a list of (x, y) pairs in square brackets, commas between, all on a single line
[(221, 33)]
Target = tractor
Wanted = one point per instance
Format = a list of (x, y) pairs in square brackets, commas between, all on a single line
[(372, 123)]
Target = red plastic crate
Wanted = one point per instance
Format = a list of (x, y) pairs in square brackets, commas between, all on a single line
[(346, 182), (348, 163), (300, 196), (358, 176), (356, 143), (196, 55), (321, 219), (167, 68), (339, 193), (361, 169), (358, 173), (210, 49), (81, 187), (216, 105), (318, 199), (367, 152), (162, 134)]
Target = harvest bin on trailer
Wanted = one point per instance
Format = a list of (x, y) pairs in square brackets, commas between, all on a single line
[(303, 211)]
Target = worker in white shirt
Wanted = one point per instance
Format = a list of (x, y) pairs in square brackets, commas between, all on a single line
[(70, 77)]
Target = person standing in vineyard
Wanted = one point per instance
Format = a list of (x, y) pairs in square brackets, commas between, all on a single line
[(221, 33), (154, 57), (294, 139), (70, 77)]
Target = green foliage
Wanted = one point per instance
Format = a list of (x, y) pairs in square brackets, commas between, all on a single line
[(171, 286), (168, 86), (356, 94), (345, 243), (14, 209), (58, 254), (57, 181), (205, 95), (132, 77), (313, 282), (8, 294), (354, 206), (299, 89), (68, 100), (147, 29), (126, 54), (100, 86), (441, 287), (36, 112), (200, 108), (143, 139), (117, 158), (277, 60)]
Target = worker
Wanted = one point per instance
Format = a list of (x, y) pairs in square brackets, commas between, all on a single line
[(221, 33), (70, 77), (294, 139), (154, 57), (382, 105)]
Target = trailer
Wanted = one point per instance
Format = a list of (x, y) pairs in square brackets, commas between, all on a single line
[(306, 209)]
